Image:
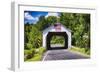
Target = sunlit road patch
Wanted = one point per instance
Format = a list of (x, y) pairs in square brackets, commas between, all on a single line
[(62, 55)]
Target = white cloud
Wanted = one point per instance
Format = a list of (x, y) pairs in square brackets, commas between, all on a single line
[(52, 14), (30, 18)]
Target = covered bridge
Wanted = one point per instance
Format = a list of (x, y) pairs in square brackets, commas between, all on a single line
[(59, 30)]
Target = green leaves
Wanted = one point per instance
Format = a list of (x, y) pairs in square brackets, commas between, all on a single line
[(52, 19), (28, 46), (85, 51), (80, 26), (57, 40), (35, 54), (33, 38)]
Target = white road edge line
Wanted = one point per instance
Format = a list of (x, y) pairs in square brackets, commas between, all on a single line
[(45, 55)]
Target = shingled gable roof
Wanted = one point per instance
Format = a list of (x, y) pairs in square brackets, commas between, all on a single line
[(58, 24)]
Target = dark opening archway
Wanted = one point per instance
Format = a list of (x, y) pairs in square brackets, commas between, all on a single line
[(49, 36)]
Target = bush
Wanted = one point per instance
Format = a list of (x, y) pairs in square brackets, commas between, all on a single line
[(34, 54), (37, 57), (28, 46), (88, 52), (41, 50), (28, 54), (82, 50)]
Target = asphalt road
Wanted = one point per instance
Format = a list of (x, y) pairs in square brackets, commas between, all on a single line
[(62, 55)]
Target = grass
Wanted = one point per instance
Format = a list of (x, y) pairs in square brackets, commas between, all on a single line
[(37, 57), (83, 51), (34, 54)]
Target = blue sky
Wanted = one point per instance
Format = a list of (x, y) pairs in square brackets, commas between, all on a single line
[(33, 16)]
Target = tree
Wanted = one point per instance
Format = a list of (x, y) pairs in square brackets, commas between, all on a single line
[(80, 27), (51, 20)]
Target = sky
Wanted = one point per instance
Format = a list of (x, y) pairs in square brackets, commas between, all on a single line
[(33, 16)]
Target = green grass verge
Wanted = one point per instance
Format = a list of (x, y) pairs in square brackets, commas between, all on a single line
[(34, 54), (37, 57), (83, 51)]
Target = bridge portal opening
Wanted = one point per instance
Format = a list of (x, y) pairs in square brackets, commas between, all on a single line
[(57, 40)]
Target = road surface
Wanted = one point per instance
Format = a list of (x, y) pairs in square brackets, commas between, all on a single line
[(62, 55)]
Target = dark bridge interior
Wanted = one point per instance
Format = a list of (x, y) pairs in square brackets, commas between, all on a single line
[(49, 36)]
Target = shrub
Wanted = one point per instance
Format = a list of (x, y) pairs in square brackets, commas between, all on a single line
[(88, 51), (41, 50), (82, 50), (28, 54), (28, 46), (34, 54), (36, 51), (37, 57)]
